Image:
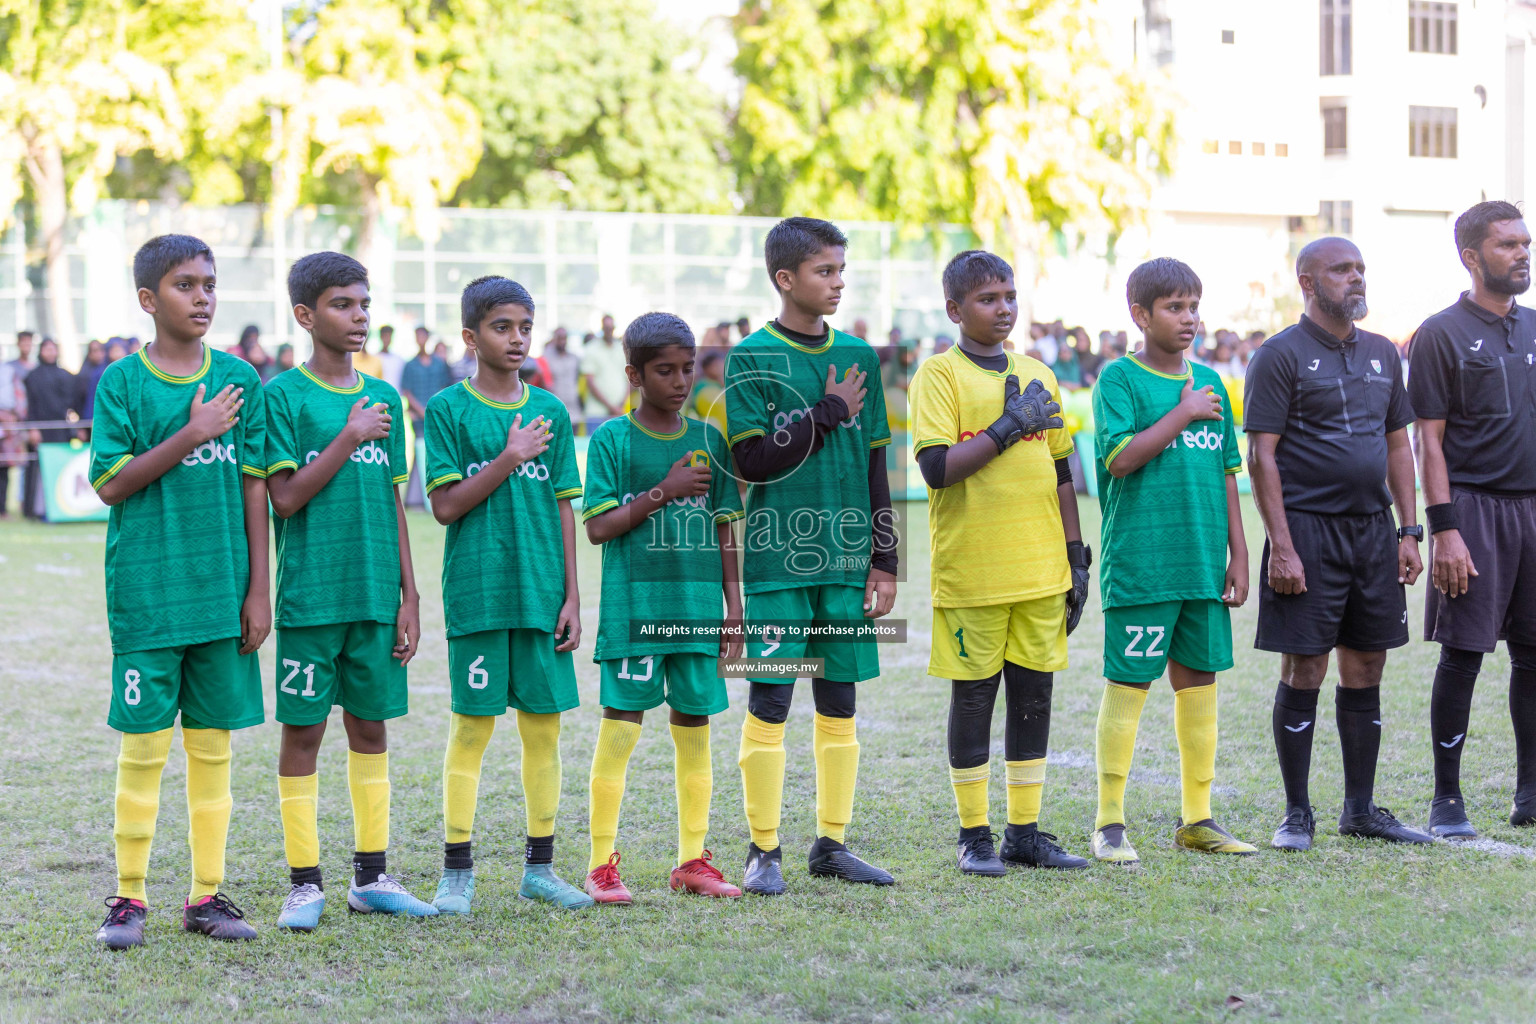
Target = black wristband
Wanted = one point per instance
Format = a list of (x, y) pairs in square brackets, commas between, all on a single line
[(1441, 518)]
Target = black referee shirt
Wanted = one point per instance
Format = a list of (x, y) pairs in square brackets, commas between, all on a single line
[(1477, 371), (1333, 403)]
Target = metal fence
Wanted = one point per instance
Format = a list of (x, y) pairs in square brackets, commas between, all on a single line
[(578, 266)]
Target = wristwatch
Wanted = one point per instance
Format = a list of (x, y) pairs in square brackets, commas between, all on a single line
[(1416, 532)]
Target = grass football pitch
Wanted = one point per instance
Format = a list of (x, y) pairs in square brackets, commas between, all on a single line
[(1352, 931)]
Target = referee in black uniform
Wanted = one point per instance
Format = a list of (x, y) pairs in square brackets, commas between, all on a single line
[(1473, 384), (1327, 421)]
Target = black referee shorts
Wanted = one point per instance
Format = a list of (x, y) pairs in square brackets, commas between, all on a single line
[(1352, 598), (1500, 602)]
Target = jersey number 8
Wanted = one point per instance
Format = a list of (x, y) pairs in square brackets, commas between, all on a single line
[(131, 693)]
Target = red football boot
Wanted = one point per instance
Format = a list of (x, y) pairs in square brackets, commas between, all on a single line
[(604, 884), (702, 877)]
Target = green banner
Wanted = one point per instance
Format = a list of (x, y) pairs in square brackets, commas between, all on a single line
[(66, 475)]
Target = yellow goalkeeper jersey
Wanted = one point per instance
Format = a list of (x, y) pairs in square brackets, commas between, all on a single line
[(994, 537)]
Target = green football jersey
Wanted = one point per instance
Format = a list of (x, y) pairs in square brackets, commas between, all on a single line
[(177, 563), (338, 557), (504, 560), (667, 569), (809, 525), (1165, 525)]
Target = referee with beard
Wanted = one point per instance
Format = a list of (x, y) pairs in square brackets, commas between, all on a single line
[(1473, 384), (1327, 421)]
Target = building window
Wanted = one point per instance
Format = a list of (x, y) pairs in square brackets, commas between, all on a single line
[(1431, 27), (1335, 127), (1235, 148), (1210, 146), (1159, 32), (1334, 40), (1432, 131), (1228, 36), (1336, 217), (1256, 148), (1282, 149)]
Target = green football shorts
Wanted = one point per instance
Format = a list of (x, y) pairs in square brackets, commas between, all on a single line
[(510, 668), (846, 660), (212, 685), (684, 682), (348, 663), (1139, 640)]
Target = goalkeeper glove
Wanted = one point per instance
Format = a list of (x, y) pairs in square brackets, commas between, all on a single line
[(1031, 412), (1079, 557)]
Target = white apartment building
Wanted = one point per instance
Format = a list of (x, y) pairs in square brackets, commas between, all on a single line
[(1377, 119)]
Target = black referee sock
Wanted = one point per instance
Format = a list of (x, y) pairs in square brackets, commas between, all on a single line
[(1359, 720), (1522, 714), (1294, 721), (1450, 708)]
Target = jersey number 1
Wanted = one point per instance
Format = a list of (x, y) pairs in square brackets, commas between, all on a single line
[(960, 638)]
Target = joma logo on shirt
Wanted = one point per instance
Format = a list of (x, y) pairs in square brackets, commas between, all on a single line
[(784, 419), (370, 453), (210, 452), (1204, 439)]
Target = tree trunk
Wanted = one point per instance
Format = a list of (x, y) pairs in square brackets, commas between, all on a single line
[(368, 227), (45, 167)]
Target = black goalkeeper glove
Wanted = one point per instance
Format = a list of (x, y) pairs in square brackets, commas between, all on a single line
[(1079, 557), (1031, 412)]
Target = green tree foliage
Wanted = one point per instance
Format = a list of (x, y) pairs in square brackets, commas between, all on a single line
[(1007, 116), (585, 106)]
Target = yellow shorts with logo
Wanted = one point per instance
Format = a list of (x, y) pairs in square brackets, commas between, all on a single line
[(973, 643)]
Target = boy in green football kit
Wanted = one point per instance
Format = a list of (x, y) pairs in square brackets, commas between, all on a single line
[(660, 499), (820, 542), (177, 451), (501, 473), (348, 615), (1009, 567), (1167, 454)]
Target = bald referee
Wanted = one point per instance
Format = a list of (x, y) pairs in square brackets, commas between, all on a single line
[(1473, 385), (1327, 421)]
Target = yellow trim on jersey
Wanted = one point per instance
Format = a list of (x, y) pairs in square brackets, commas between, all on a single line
[(1188, 373), (402, 478), (966, 360), (1234, 469), (1117, 450), (446, 478), (256, 471), (597, 510), (729, 516), (569, 492), (354, 389), (112, 470), (831, 334), (651, 433), (283, 464), (929, 443), (880, 442), (1064, 452), (527, 390), (207, 362), (754, 432)]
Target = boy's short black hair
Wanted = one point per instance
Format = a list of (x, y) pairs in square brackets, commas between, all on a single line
[(311, 275), (794, 240), (1158, 279), (162, 254), (1472, 226), (649, 333), (484, 294), (970, 270)]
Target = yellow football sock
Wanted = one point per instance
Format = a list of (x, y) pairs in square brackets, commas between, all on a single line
[(140, 761), (541, 770), (616, 741), (970, 786), (1026, 781), (468, 736), (762, 778), (1194, 721), (368, 782), (208, 806), (837, 771), (695, 780), (1119, 715), (297, 799)]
